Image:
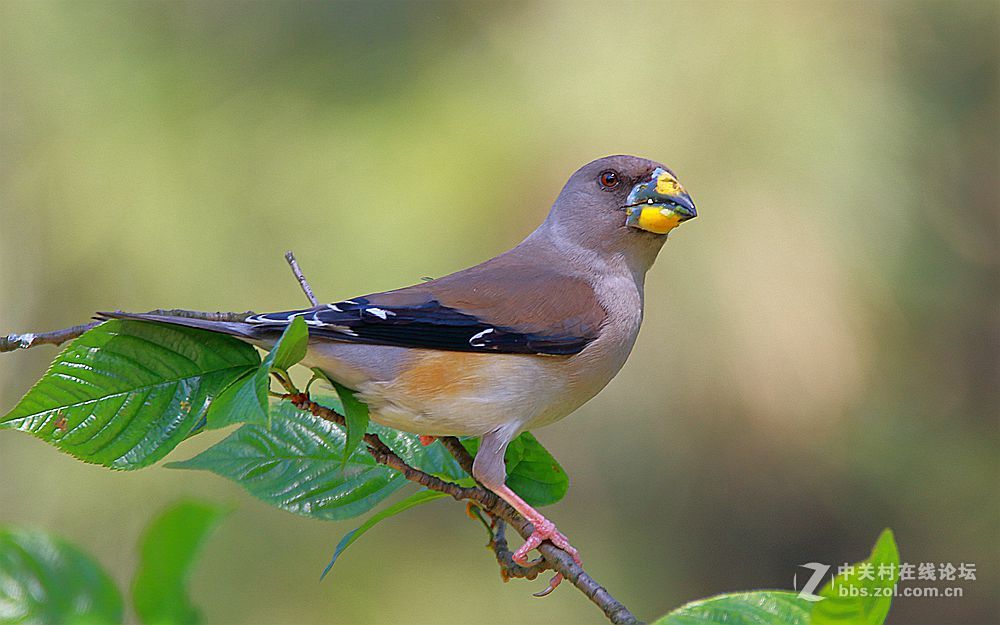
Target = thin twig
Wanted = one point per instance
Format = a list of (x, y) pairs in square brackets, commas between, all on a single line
[(505, 558), (12, 342), (456, 449), (198, 314), (294, 264), (23, 341)]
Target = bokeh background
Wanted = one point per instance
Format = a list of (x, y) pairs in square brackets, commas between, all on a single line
[(826, 332)]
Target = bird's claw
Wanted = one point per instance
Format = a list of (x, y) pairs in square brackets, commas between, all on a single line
[(542, 529), (546, 530), (553, 583), (557, 539)]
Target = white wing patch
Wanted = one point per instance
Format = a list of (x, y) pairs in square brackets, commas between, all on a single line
[(379, 312), (477, 336)]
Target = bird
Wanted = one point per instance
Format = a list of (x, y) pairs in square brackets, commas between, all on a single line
[(514, 343)]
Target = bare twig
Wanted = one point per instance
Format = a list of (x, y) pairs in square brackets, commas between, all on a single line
[(197, 314), (12, 342), (456, 449), (23, 341), (505, 558), (294, 264)]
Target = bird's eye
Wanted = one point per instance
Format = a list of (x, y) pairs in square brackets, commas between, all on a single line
[(609, 179)]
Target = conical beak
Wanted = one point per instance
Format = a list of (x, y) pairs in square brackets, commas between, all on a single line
[(659, 204)]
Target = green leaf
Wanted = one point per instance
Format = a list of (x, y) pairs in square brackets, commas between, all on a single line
[(537, 478), (415, 499), (355, 416), (247, 400), (295, 465), (763, 607), (861, 596), (532, 472), (287, 350), (45, 580), (290, 347), (168, 549), (238, 403), (127, 392)]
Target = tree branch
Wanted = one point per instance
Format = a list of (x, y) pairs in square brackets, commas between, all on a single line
[(553, 557)]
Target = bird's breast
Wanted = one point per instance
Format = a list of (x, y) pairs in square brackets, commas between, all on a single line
[(589, 371)]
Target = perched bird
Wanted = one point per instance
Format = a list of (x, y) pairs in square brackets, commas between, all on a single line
[(514, 343)]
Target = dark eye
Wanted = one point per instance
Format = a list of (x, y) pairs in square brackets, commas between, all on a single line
[(609, 179)]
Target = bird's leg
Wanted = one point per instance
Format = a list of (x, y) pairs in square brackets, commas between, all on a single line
[(427, 440), (489, 469)]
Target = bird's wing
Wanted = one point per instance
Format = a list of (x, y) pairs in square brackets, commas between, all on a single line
[(494, 307)]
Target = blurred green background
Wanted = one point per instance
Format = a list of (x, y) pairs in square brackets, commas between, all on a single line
[(826, 331)]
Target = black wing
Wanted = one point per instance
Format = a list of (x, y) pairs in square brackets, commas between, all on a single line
[(427, 324)]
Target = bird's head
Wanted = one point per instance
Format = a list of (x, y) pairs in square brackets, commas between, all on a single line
[(621, 204)]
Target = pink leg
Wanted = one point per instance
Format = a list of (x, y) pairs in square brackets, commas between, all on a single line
[(544, 529)]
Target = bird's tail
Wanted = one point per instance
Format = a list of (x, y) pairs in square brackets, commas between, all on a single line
[(234, 328)]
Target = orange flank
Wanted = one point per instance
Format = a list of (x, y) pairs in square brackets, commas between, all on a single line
[(437, 373)]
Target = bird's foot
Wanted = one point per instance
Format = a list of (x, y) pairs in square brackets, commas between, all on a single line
[(427, 440), (542, 530), (545, 530)]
